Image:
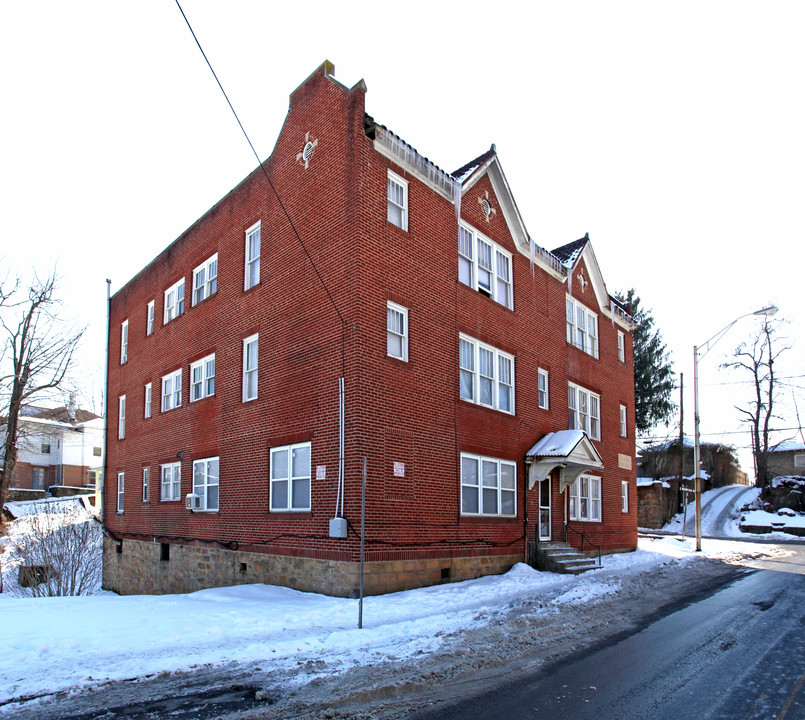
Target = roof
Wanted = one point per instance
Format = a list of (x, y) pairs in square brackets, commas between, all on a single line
[(557, 444), (466, 170), (568, 254), (789, 446), (62, 415)]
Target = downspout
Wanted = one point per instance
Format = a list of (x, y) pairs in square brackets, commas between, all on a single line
[(525, 512), (105, 404)]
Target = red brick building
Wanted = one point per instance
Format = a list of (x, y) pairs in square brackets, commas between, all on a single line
[(462, 346)]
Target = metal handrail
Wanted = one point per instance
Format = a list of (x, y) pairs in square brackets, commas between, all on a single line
[(583, 537)]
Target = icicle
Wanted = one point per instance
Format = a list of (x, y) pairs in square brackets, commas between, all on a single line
[(533, 248), (457, 201)]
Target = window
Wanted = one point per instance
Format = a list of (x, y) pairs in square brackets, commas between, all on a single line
[(623, 420), (45, 447), (585, 411), (624, 496), (397, 201), (250, 368), (174, 301), (290, 477), (488, 486), (171, 390), (397, 331), (486, 375), (621, 346), (145, 484), (484, 266), (585, 498), (121, 417), (124, 341), (799, 460), (582, 327), (171, 481), (205, 482), (38, 478), (542, 388), (121, 481), (252, 256), (149, 325), (205, 279), (97, 451), (147, 400), (202, 378)]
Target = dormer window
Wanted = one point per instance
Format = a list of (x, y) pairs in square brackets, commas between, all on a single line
[(484, 266), (582, 327)]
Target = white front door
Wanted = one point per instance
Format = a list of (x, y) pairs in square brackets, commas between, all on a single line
[(545, 509)]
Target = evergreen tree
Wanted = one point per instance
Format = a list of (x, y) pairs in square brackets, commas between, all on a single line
[(653, 373)]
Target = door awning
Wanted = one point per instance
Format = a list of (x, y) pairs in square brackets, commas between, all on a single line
[(570, 450)]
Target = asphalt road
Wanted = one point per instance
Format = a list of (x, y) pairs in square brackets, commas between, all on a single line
[(738, 653)]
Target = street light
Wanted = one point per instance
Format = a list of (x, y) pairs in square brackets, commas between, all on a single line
[(767, 312)]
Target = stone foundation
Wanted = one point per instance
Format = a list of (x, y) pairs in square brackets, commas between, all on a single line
[(133, 567)]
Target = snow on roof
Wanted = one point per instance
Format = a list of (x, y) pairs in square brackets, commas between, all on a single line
[(568, 254), (466, 170), (557, 444), (789, 446)]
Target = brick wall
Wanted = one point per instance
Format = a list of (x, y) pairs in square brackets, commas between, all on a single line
[(404, 412)]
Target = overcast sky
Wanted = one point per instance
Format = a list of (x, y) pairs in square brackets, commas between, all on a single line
[(671, 132)]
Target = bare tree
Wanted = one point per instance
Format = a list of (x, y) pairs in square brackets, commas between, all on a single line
[(36, 355), (758, 358)]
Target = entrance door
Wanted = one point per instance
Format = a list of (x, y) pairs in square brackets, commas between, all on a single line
[(545, 509)]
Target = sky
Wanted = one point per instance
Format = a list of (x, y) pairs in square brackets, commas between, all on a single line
[(670, 132), (48, 645)]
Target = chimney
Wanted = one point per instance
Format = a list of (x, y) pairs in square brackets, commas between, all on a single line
[(71, 408)]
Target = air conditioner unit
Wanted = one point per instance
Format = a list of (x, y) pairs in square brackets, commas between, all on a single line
[(192, 502)]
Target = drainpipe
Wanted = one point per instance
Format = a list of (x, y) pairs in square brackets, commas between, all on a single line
[(105, 405), (525, 513)]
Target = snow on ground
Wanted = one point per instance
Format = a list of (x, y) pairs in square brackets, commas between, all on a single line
[(59, 643)]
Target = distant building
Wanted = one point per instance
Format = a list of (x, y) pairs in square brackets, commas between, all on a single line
[(787, 458), (489, 383), (58, 446)]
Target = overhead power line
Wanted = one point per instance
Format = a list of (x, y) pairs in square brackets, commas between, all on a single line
[(262, 167)]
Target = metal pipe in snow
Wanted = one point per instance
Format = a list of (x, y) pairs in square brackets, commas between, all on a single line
[(363, 518)]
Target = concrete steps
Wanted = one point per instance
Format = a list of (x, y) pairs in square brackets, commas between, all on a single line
[(560, 557)]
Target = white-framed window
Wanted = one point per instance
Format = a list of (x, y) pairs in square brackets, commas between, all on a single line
[(290, 477), (38, 478), (205, 279), (171, 390), (484, 265), (397, 201), (623, 420), (582, 327), (621, 346), (585, 498), (121, 417), (486, 375), (45, 447), (252, 256), (147, 400), (250, 355), (202, 378), (149, 323), (542, 388), (121, 481), (625, 496), (174, 302), (397, 331), (205, 483), (488, 486), (145, 484), (799, 460), (170, 481), (585, 410), (124, 341)]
